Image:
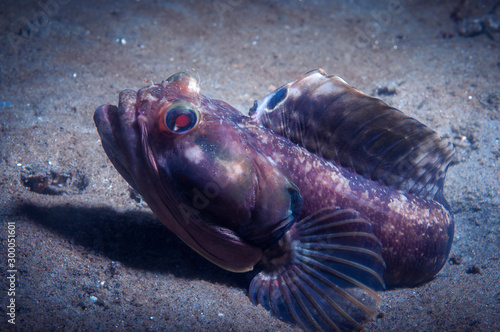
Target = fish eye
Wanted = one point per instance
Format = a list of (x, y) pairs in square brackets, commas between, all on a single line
[(179, 118)]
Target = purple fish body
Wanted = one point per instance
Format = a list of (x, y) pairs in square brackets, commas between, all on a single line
[(265, 191), (366, 136)]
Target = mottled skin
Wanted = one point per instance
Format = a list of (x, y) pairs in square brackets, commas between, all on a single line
[(416, 233), (368, 137), (240, 195)]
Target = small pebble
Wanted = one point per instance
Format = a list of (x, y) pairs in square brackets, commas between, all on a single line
[(456, 260), (474, 269)]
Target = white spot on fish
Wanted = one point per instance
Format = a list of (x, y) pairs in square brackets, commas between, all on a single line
[(194, 154), (342, 184), (401, 205), (294, 92), (147, 96), (276, 157), (397, 204), (324, 89), (193, 87), (234, 170), (307, 167)]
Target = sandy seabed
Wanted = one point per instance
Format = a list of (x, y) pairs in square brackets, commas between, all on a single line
[(89, 255)]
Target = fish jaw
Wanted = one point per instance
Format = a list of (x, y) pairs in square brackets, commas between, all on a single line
[(113, 125)]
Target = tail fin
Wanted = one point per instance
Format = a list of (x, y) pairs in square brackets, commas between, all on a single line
[(323, 274)]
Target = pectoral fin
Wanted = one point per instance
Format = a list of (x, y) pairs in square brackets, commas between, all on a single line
[(324, 273)]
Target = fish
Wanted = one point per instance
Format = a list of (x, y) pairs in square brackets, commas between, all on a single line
[(271, 194)]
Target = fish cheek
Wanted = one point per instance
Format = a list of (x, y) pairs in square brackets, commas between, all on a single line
[(216, 184), (265, 202), (232, 185), (256, 200)]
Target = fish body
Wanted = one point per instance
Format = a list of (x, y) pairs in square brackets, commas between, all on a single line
[(365, 136), (416, 233), (245, 196)]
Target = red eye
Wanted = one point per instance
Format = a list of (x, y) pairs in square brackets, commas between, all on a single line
[(179, 118)]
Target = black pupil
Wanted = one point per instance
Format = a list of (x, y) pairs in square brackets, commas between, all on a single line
[(181, 119)]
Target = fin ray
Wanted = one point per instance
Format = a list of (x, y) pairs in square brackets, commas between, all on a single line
[(324, 273), (364, 134)]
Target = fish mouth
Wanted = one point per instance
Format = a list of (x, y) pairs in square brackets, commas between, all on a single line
[(115, 125)]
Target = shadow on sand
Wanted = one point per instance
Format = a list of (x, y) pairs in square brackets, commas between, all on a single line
[(135, 239)]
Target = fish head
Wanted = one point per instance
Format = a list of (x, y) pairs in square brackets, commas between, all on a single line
[(193, 162)]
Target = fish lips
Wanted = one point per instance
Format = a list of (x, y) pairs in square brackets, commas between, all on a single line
[(117, 127)]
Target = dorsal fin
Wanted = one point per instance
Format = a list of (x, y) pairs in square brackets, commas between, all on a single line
[(330, 118)]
